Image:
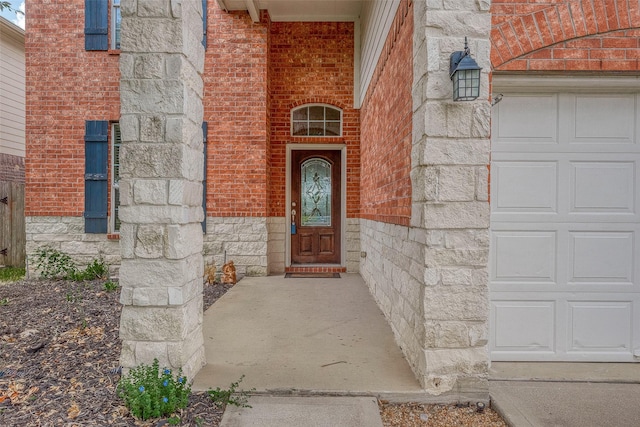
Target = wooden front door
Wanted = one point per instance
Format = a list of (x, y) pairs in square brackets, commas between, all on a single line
[(315, 207)]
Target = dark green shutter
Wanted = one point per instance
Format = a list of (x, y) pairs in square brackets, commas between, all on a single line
[(96, 34), (204, 24), (204, 177), (96, 152)]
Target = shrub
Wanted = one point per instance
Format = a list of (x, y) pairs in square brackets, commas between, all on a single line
[(150, 393), (54, 264)]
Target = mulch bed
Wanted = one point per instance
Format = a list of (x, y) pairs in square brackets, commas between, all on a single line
[(59, 357)]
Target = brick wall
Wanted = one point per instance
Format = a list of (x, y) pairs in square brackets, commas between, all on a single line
[(11, 168), (561, 35), (312, 62), (66, 85), (386, 120), (236, 107)]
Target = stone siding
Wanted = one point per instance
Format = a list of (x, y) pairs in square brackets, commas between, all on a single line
[(450, 209), (353, 244), (67, 234), (276, 228), (242, 240)]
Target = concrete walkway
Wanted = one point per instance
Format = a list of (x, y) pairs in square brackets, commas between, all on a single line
[(310, 336), (566, 394)]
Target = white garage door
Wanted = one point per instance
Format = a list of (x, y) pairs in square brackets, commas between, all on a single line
[(565, 226)]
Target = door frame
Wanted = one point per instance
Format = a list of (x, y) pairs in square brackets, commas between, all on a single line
[(343, 197)]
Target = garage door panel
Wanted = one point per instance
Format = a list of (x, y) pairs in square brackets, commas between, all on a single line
[(524, 257), (600, 327), (603, 187), (525, 186), (520, 124), (508, 316), (606, 119), (565, 221), (603, 257)]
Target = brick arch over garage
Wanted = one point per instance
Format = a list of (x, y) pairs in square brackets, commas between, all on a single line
[(575, 35)]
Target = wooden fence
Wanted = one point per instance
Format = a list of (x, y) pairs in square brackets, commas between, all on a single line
[(12, 231)]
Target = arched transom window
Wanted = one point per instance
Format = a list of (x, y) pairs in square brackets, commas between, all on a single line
[(316, 120)]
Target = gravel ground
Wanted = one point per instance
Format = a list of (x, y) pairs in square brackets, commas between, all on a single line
[(59, 352)]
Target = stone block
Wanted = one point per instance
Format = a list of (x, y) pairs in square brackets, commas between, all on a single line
[(153, 8), (149, 241), (151, 35), (455, 303), (456, 215), (435, 119), (456, 276), (145, 352), (149, 297), (151, 160), (482, 184), (183, 240), (150, 191), (160, 273), (179, 353), (183, 192), (152, 128), (456, 183), (146, 214), (149, 66), (455, 152), (127, 240)]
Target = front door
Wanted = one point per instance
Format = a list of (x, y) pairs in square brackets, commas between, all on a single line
[(315, 207)]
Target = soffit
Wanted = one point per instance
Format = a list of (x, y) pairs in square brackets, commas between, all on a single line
[(300, 10)]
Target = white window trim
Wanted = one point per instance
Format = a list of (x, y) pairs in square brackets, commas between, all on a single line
[(299, 107), (115, 7)]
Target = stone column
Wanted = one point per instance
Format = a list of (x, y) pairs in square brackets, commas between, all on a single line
[(450, 156), (161, 65)]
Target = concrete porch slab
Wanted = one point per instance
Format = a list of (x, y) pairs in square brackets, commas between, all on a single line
[(303, 336)]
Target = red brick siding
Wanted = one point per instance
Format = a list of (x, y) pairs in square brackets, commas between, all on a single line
[(11, 168), (236, 107), (386, 120), (565, 35), (312, 62), (66, 85)]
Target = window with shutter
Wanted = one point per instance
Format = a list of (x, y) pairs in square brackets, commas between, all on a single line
[(95, 177), (95, 24), (115, 177)]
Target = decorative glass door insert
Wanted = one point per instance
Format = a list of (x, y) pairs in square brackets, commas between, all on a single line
[(316, 193)]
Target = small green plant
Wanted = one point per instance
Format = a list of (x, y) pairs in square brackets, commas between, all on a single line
[(230, 396), (4, 301), (53, 264), (96, 270), (149, 392), (11, 274), (110, 286)]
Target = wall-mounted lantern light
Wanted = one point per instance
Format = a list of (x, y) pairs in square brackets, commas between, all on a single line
[(464, 71)]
